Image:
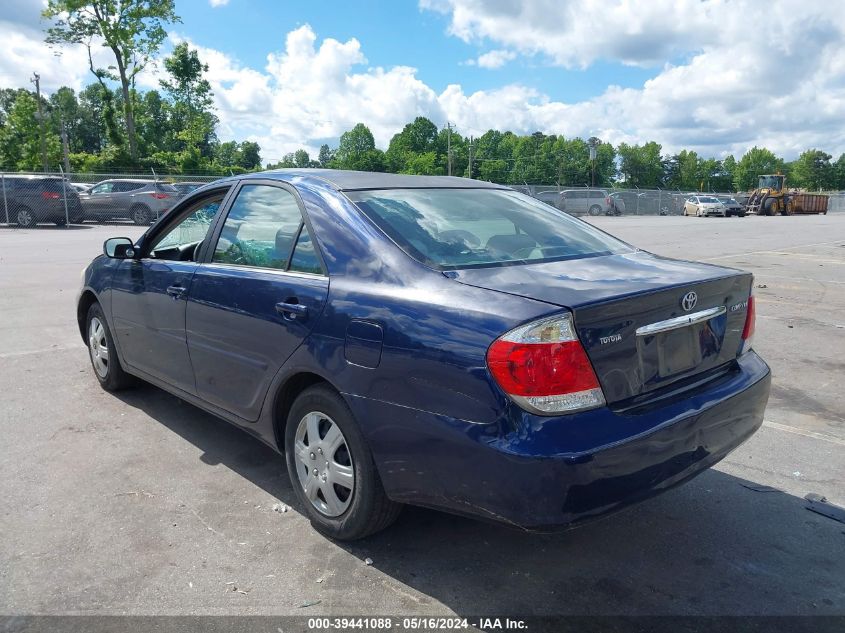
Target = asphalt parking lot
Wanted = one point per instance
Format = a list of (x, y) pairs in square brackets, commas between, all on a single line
[(142, 504)]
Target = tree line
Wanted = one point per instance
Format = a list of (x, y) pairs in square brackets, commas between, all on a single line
[(548, 159), (110, 125)]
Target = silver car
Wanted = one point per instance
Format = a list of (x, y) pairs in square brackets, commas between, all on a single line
[(585, 201), (142, 201), (702, 206)]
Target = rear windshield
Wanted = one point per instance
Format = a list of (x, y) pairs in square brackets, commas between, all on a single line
[(466, 228), (161, 186)]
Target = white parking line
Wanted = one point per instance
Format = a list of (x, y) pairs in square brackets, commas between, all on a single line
[(30, 352), (787, 248), (791, 429)]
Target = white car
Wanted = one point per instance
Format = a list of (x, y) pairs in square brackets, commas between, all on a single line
[(702, 206)]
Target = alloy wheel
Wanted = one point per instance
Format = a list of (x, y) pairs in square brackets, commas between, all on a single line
[(25, 217), (324, 464), (99, 347)]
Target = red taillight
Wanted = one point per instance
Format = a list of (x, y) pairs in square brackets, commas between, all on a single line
[(750, 320), (50, 195), (160, 196), (543, 367)]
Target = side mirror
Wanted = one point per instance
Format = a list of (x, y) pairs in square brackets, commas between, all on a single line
[(119, 248)]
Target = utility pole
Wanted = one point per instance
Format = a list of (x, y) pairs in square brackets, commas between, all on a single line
[(592, 143), (470, 157), (36, 79), (65, 149), (449, 146)]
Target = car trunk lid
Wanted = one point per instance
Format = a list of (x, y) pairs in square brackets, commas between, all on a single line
[(630, 316)]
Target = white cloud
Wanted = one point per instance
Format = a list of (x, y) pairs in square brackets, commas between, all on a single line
[(724, 92), (495, 59), (728, 89), (218, 3)]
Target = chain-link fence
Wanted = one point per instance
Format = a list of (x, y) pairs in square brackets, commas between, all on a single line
[(33, 198)]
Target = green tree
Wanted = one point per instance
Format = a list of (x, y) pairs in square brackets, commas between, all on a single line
[(192, 114), (20, 142), (326, 155), (357, 150), (417, 137), (641, 165), (839, 173), (756, 162), (249, 155), (813, 171), (132, 29)]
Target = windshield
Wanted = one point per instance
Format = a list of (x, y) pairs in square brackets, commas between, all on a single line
[(708, 200), (462, 228)]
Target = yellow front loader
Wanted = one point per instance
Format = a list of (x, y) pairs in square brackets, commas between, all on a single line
[(771, 198)]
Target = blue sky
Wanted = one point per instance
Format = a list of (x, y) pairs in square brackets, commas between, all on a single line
[(391, 34), (683, 73)]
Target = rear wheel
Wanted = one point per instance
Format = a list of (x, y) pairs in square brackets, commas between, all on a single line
[(331, 468), (595, 210), (103, 355), (25, 217), (140, 214)]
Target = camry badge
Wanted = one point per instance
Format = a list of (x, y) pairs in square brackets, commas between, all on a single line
[(689, 300)]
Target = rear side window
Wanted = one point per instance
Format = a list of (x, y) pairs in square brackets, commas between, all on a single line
[(260, 228), (304, 258), (462, 228)]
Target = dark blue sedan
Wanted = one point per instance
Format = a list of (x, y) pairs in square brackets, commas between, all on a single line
[(435, 341)]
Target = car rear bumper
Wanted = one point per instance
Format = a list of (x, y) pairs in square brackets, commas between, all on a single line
[(548, 473)]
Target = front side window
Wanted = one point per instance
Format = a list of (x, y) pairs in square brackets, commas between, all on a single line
[(103, 187), (181, 241), (462, 228), (260, 229)]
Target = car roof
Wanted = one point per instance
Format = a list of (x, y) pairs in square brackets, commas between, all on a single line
[(347, 180)]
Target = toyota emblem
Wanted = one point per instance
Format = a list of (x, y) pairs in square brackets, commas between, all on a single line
[(689, 300)]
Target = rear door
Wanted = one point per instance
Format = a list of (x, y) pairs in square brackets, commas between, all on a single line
[(255, 298)]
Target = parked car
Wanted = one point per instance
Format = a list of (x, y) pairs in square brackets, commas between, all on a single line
[(185, 187), (617, 204), (80, 186), (703, 206), (585, 201), (732, 207), (33, 199), (552, 198), (431, 340), (142, 201)]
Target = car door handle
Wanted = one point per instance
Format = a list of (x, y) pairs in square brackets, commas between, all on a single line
[(292, 310), (176, 291)]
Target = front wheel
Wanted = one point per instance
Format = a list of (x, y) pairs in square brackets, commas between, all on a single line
[(103, 355), (595, 210), (332, 470)]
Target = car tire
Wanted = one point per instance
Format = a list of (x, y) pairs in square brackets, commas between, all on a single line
[(318, 413), (25, 218), (60, 223), (141, 214), (106, 365), (595, 210)]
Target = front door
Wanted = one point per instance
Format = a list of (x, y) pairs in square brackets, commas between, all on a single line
[(99, 201), (255, 299), (149, 297)]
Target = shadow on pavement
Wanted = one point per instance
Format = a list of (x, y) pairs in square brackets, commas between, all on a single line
[(710, 547)]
